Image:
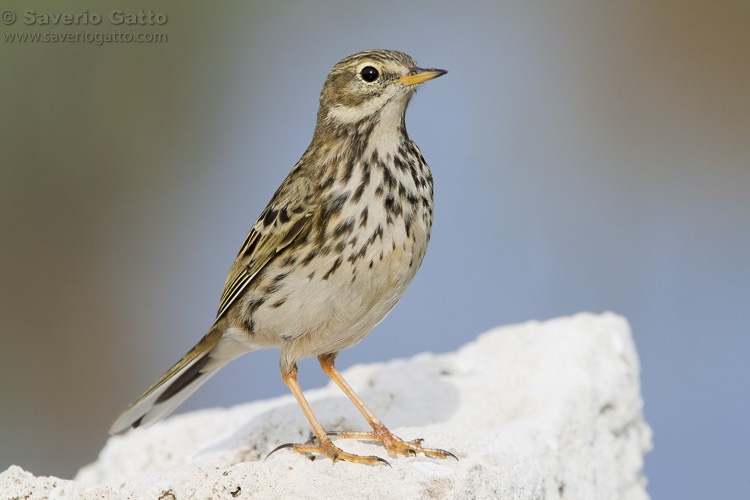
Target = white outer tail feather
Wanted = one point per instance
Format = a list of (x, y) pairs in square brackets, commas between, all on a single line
[(147, 411)]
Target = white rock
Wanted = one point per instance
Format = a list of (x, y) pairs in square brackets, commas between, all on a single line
[(540, 410)]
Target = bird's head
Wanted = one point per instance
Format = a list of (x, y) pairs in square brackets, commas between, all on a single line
[(372, 85)]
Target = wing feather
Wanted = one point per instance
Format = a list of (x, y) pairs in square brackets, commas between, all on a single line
[(276, 228)]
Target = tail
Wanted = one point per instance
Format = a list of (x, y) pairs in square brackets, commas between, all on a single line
[(176, 385)]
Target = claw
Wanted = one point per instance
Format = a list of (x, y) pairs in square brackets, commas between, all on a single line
[(281, 447), (448, 454), (329, 450)]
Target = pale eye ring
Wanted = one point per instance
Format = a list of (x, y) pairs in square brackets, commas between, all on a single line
[(369, 74)]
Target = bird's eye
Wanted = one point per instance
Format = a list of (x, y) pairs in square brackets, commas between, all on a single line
[(369, 74)]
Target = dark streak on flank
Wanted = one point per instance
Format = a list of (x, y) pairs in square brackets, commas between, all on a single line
[(392, 206), (400, 163), (344, 228), (388, 178), (377, 233), (254, 304), (333, 268), (359, 254), (337, 203), (349, 169), (290, 260), (310, 256), (362, 185), (277, 284)]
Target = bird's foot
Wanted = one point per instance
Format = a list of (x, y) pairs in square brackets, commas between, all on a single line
[(394, 444), (333, 452)]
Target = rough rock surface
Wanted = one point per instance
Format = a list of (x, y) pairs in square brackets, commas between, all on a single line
[(540, 410)]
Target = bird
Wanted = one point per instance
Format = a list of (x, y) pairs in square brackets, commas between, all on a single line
[(330, 255)]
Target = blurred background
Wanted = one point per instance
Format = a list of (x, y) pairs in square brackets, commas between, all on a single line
[(588, 156)]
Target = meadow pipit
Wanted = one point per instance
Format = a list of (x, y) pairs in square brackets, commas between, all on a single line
[(331, 254)]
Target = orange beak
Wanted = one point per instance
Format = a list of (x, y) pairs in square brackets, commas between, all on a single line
[(421, 76)]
